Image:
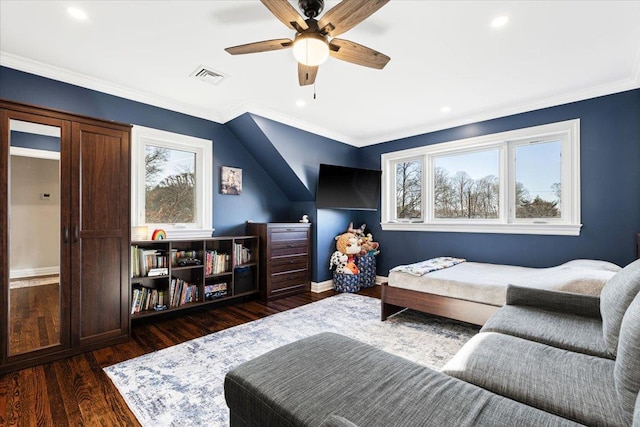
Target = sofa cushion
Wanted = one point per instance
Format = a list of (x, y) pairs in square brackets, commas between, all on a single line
[(572, 385), (303, 383), (615, 297), (627, 369), (336, 421), (563, 330)]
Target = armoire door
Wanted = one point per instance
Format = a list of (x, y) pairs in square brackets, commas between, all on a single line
[(100, 233), (35, 289)]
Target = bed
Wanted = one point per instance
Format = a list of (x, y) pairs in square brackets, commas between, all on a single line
[(472, 291)]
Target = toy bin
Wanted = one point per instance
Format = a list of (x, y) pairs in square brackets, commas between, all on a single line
[(346, 282), (367, 270)]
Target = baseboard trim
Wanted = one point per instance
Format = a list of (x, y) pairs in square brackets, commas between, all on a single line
[(327, 285), (317, 288), (33, 272)]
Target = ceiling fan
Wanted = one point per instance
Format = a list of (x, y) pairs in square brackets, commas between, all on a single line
[(314, 42)]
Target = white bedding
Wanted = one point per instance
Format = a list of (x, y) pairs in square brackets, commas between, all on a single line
[(487, 283)]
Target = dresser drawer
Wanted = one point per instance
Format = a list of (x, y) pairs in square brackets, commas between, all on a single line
[(285, 281), (288, 248), (287, 234), (293, 263)]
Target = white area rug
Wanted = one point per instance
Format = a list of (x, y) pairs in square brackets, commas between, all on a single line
[(183, 385)]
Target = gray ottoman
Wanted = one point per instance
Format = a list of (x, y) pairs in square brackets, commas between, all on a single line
[(335, 380)]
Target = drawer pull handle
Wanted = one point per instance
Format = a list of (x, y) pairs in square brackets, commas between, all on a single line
[(289, 245)]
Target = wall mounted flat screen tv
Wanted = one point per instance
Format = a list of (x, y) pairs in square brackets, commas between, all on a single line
[(341, 187)]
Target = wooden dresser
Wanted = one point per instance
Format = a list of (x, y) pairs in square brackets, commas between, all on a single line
[(285, 261)]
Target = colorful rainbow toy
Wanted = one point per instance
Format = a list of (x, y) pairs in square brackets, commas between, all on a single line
[(158, 234)]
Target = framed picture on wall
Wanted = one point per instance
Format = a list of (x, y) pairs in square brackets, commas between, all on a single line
[(230, 180)]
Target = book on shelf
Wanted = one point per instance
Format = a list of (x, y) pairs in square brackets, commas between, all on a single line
[(242, 254), (144, 260), (216, 263), (143, 299), (162, 271), (182, 292), (216, 290)]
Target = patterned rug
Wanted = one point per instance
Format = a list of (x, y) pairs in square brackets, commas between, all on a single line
[(183, 385)]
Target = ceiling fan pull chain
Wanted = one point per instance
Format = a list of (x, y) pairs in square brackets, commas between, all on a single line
[(314, 90)]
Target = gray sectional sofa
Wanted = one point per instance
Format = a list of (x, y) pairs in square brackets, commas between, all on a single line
[(547, 358)]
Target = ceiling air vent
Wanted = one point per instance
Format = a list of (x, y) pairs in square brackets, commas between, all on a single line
[(208, 75)]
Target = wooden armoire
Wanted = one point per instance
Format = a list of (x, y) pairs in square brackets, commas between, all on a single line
[(90, 210)]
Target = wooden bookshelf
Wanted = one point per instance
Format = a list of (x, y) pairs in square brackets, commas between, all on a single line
[(164, 273)]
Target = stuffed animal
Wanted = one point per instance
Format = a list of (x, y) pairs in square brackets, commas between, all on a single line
[(348, 244), (338, 262), (351, 268), (368, 246), (359, 232)]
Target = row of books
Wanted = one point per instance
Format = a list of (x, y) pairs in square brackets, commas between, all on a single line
[(146, 299), (182, 292), (148, 262), (242, 254), (216, 263)]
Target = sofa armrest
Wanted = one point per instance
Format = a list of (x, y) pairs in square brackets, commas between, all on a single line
[(566, 302)]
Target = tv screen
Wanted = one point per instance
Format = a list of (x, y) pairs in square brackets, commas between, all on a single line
[(341, 187)]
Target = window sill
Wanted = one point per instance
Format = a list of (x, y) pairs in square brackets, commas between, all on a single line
[(540, 229), (181, 234)]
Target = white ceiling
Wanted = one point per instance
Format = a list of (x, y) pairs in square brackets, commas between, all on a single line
[(443, 53)]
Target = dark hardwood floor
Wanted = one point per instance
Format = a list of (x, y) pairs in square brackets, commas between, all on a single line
[(76, 391)]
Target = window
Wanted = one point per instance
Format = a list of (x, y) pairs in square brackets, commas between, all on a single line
[(525, 181), (171, 183)]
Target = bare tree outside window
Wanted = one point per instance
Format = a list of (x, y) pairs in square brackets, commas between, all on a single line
[(458, 194), (409, 190), (538, 175), (169, 185)]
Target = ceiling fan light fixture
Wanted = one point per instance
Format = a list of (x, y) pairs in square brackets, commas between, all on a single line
[(311, 49)]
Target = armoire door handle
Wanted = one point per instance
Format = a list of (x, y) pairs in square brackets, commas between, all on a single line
[(75, 234), (66, 234)]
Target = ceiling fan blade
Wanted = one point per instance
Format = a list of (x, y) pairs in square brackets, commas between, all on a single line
[(286, 14), (357, 54), (307, 74), (347, 14), (263, 46)]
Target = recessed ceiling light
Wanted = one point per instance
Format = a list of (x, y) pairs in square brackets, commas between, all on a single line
[(500, 21), (301, 103), (445, 109), (79, 14)]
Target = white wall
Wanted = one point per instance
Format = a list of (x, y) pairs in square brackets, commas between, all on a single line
[(34, 223)]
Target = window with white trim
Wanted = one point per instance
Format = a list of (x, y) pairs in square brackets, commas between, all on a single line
[(171, 183), (525, 181)]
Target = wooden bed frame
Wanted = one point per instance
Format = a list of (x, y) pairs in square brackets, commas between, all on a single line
[(397, 299)]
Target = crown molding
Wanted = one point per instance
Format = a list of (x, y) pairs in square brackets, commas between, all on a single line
[(553, 101), (60, 74), (242, 107)]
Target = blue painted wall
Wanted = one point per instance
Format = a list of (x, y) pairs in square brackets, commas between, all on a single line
[(610, 180), (280, 169), (292, 157), (261, 199)]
